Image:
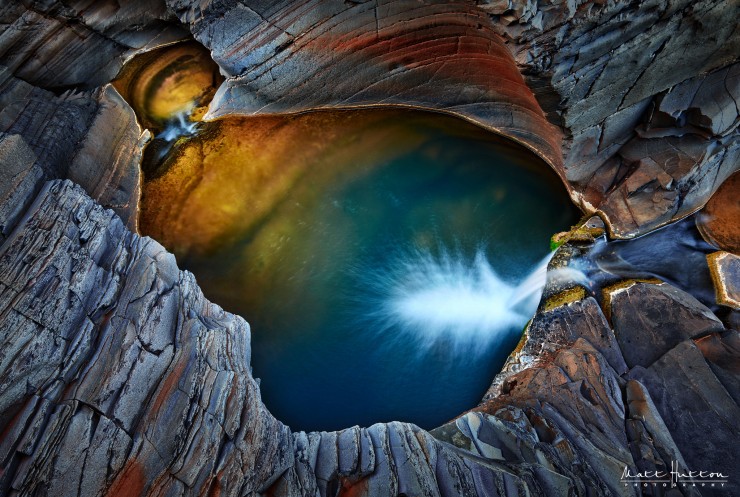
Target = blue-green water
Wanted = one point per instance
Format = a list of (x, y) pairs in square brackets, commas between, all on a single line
[(385, 293)]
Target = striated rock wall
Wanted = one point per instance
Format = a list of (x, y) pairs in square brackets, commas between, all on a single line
[(91, 137), (118, 377), (646, 94), (80, 43), (291, 56)]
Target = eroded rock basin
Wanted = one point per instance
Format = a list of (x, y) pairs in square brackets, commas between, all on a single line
[(375, 254)]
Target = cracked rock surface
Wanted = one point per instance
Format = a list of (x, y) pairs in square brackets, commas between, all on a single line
[(118, 378), (647, 96)]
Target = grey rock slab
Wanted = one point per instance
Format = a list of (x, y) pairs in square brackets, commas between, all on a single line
[(602, 67), (696, 408), (722, 352), (650, 319), (116, 140), (127, 338)]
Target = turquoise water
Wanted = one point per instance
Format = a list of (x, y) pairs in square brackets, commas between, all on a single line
[(387, 296)]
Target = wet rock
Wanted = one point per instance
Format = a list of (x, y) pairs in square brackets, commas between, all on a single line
[(663, 254), (442, 57), (82, 44), (164, 84), (725, 269), (124, 347), (115, 139), (118, 378), (695, 406), (721, 351), (552, 329)]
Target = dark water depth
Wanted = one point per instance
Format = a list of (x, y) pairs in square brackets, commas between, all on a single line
[(380, 292)]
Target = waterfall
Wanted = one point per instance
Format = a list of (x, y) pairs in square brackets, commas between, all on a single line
[(180, 125), (449, 297), (526, 295)]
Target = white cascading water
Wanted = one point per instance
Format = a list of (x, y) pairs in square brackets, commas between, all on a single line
[(451, 298), (180, 125)]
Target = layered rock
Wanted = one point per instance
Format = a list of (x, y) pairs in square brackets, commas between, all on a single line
[(646, 93), (174, 81), (132, 384), (295, 56), (118, 378), (91, 137), (79, 43), (126, 356), (718, 220)]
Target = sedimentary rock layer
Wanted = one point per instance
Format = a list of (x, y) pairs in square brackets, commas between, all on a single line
[(91, 137), (646, 93), (161, 85), (118, 377), (79, 43), (293, 56)]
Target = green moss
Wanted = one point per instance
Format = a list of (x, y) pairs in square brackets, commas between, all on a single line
[(568, 296)]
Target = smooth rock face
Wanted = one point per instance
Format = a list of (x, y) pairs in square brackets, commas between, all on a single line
[(165, 84), (682, 382), (287, 56), (118, 378), (383, 215), (649, 320)]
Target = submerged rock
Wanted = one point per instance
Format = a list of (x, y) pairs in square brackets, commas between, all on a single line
[(175, 80)]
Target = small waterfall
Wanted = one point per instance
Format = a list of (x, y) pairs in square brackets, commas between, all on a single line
[(177, 127), (527, 294), (180, 125), (452, 298)]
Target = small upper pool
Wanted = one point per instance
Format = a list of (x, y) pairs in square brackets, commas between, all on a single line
[(379, 255)]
